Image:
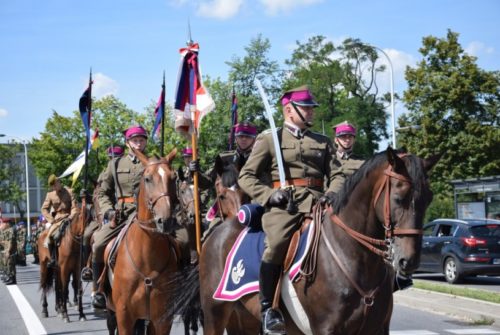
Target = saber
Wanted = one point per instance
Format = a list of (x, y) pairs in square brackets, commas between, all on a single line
[(291, 207), (277, 148)]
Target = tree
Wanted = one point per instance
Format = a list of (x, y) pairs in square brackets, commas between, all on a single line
[(11, 177), (455, 104), (343, 80)]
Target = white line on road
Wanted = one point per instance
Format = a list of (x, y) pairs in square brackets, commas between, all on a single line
[(472, 331), (30, 318)]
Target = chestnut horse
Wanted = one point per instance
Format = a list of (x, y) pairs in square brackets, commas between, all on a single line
[(374, 229), (68, 265), (146, 258)]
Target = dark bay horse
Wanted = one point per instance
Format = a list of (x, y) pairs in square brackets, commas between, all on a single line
[(68, 266), (373, 230), (146, 259)]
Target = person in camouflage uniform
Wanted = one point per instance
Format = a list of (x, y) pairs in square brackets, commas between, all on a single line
[(309, 164), (3, 225), (21, 244), (59, 206), (40, 227), (9, 254)]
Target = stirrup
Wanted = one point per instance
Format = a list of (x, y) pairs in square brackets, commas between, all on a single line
[(273, 323), (87, 274), (99, 300)]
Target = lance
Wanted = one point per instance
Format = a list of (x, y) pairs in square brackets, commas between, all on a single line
[(163, 117), (194, 136)]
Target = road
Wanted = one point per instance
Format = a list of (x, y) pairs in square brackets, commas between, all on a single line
[(15, 318), (479, 282)]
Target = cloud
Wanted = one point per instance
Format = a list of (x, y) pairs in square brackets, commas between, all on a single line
[(278, 6), (476, 48), (219, 9), (3, 112), (103, 86), (400, 60)]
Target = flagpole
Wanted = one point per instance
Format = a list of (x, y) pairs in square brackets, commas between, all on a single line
[(89, 106), (194, 146), (163, 117)]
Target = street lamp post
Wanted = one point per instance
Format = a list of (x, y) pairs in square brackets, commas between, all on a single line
[(28, 223), (393, 116)]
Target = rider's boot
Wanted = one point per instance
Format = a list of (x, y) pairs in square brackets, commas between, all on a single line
[(402, 282), (11, 280), (272, 319), (52, 252), (87, 274), (99, 300)]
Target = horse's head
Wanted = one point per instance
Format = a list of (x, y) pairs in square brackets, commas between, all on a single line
[(230, 197), (402, 195), (185, 194), (157, 192)]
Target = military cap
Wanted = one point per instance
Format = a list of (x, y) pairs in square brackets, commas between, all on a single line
[(344, 128), (300, 96), (245, 129), (52, 179), (187, 152), (115, 151), (133, 131)]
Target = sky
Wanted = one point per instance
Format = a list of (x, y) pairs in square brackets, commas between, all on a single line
[(48, 47)]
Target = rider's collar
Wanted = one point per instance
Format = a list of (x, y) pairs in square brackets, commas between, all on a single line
[(344, 154), (133, 158), (294, 130)]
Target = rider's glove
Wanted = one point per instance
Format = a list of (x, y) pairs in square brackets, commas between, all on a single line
[(278, 198), (194, 166), (109, 215), (328, 199)]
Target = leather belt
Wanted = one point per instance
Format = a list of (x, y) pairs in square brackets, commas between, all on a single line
[(129, 200), (302, 182)]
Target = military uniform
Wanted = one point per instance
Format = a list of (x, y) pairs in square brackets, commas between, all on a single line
[(21, 245), (308, 160), (9, 254), (34, 241), (58, 206), (348, 163)]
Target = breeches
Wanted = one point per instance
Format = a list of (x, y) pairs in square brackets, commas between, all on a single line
[(101, 239), (279, 226), (89, 230), (52, 229)]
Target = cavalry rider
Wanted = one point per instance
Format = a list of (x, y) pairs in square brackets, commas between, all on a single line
[(116, 197), (39, 228), (345, 137), (309, 164), (59, 206), (112, 152)]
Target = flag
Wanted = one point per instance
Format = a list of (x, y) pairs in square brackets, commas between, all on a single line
[(234, 119), (76, 167), (159, 112), (85, 112), (191, 96)]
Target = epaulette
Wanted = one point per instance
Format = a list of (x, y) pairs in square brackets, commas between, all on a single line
[(269, 131)]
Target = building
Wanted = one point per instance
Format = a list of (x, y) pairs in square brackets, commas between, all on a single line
[(477, 197)]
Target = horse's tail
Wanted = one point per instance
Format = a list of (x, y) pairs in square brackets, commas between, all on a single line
[(47, 276), (186, 300)]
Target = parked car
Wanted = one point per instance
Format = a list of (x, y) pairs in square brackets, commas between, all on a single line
[(459, 248)]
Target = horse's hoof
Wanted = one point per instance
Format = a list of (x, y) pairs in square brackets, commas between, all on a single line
[(70, 304), (45, 314), (83, 318), (66, 320)]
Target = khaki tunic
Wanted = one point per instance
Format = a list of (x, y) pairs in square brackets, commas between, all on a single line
[(307, 155), (348, 165), (59, 205)]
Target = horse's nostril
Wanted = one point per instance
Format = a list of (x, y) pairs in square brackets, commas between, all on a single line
[(403, 263)]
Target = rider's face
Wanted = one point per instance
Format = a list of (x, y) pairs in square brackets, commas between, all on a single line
[(137, 143), (244, 142)]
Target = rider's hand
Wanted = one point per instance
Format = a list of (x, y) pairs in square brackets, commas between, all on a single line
[(110, 215), (328, 199), (194, 166), (278, 198)]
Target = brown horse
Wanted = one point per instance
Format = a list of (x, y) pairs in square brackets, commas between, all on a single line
[(147, 259), (68, 265), (373, 230)]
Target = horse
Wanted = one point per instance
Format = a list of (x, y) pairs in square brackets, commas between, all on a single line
[(373, 229), (147, 256), (68, 265)]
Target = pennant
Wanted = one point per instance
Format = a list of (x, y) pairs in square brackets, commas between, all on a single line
[(78, 163), (85, 112), (159, 112), (192, 100), (234, 119)]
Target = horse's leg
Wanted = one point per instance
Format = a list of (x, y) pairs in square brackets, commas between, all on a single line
[(111, 322), (44, 285), (216, 317), (125, 321)]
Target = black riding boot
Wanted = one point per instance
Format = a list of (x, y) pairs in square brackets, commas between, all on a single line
[(402, 282), (52, 251), (99, 300), (272, 320), (87, 274)]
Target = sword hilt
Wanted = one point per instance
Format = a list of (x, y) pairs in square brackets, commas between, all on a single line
[(291, 207)]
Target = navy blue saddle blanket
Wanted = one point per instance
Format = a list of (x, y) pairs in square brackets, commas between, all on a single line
[(241, 272)]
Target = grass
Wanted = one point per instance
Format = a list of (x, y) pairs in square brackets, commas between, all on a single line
[(471, 293)]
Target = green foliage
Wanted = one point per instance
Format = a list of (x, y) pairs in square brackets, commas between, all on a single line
[(441, 207), (456, 105), (343, 81), (11, 176)]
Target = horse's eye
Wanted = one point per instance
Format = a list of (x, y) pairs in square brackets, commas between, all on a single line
[(222, 197), (147, 179)]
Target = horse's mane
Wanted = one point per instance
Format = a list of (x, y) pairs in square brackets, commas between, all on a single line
[(414, 168), (229, 176)]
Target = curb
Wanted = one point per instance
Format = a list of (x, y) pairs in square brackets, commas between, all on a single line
[(466, 309)]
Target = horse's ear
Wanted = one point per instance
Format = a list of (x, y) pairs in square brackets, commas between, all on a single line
[(142, 157), (170, 157), (431, 161), (394, 160), (219, 165), (180, 174)]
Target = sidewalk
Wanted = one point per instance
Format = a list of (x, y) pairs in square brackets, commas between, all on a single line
[(466, 309)]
